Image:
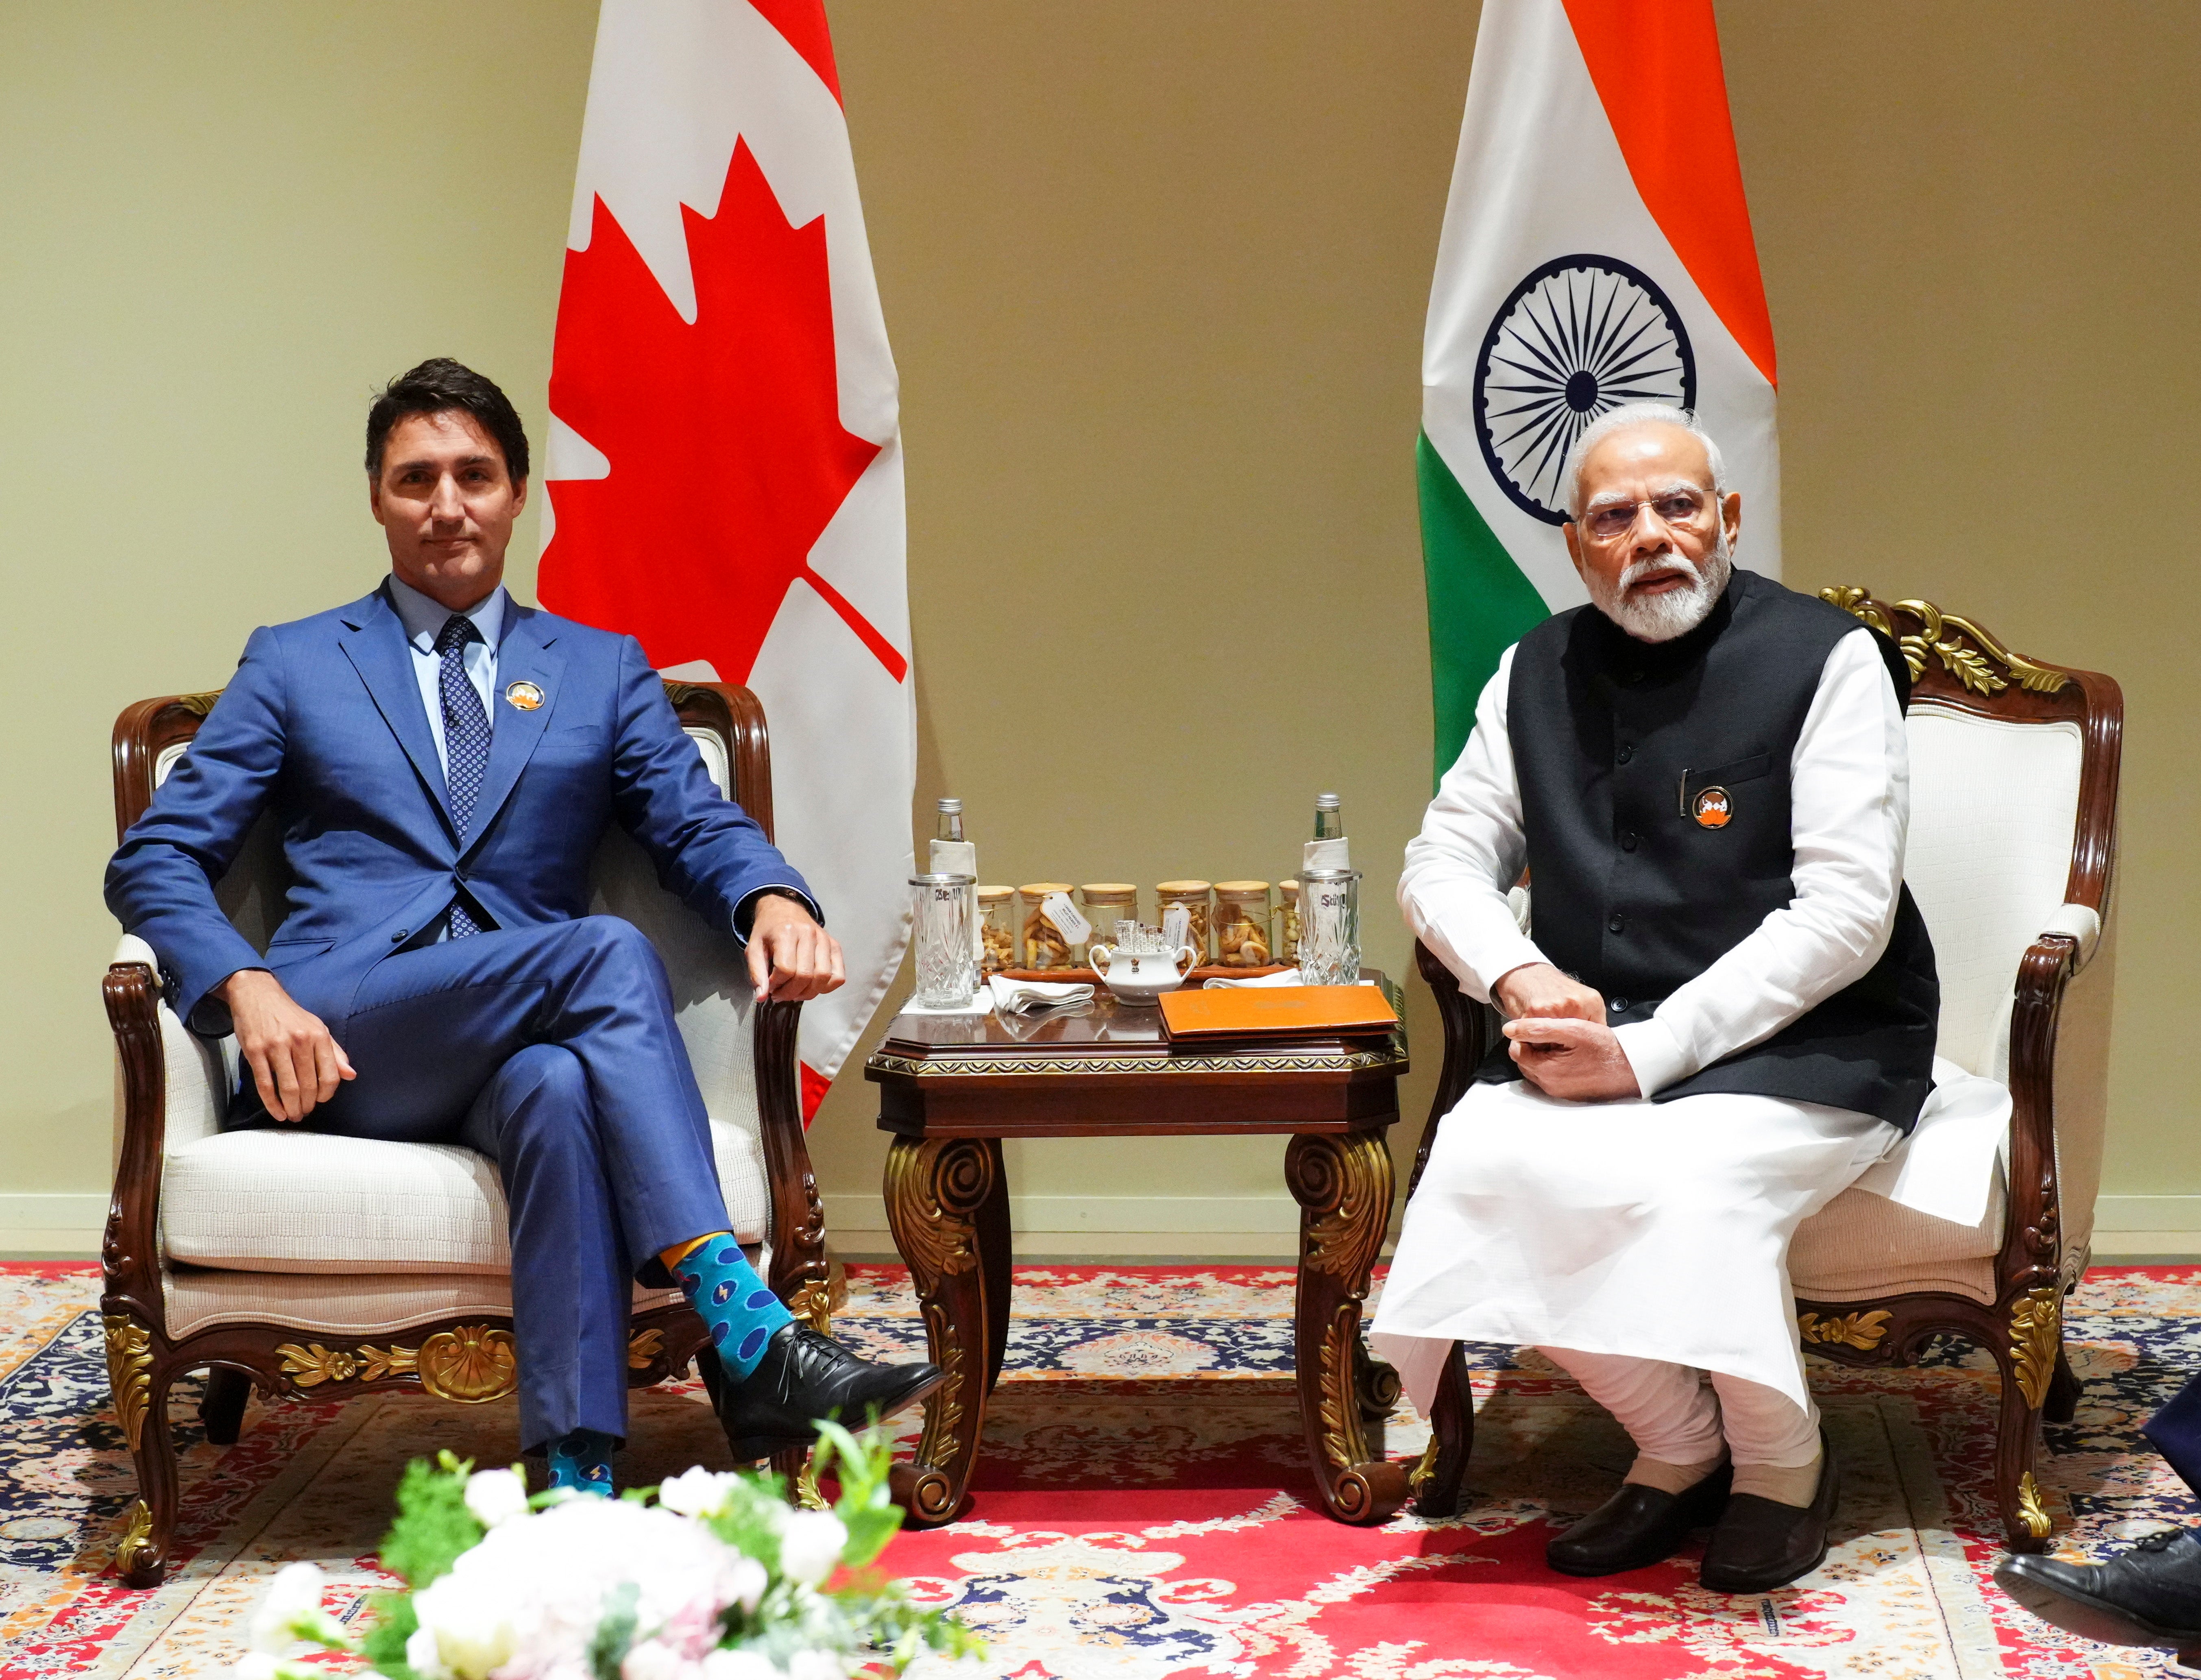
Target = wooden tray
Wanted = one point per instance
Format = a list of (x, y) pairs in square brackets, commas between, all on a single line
[(1075, 976)]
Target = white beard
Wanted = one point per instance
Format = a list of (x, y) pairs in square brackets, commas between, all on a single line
[(1674, 612)]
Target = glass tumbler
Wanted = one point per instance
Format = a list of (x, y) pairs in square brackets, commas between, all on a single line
[(1329, 927), (945, 908)]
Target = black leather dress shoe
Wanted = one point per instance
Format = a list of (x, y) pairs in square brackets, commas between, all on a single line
[(804, 1376), (2149, 1595), (1761, 1543), (1637, 1527)]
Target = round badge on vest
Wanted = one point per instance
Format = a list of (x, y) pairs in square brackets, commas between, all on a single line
[(525, 696), (1712, 807)]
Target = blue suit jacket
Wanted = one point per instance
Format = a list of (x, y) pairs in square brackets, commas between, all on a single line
[(324, 721)]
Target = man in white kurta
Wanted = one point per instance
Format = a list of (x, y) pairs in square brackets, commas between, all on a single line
[(1573, 1201)]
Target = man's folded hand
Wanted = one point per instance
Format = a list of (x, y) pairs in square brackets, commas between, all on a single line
[(791, 958), (1579, 1060), (295, 1062)]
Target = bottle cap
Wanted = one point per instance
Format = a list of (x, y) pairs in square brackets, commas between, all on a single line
[(994, 894), (1327, 801), (1111, 889), (1039, 890), (1179, 888), (1242, 886), (1290, 888), (948, 806)]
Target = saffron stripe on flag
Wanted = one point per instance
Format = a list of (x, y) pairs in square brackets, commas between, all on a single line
[(1480, 601)]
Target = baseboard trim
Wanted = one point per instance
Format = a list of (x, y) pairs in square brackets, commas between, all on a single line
[(57, 1223)]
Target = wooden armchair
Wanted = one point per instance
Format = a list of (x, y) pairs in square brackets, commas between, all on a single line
[(405, 1281), (2013, 840)]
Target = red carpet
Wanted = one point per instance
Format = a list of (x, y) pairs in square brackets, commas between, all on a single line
[(1143, 1508)]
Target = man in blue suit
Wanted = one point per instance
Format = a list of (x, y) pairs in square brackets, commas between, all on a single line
[(442, 763)]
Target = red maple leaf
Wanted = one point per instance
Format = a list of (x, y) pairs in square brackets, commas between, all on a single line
[(727, 453)]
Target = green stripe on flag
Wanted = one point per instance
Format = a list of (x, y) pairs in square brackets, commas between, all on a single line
[(1480, 601)]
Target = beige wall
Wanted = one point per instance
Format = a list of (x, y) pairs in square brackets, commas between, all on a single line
[(1155, 275)]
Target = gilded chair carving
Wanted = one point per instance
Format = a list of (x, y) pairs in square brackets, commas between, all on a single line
[(303, 1264), (2014, 767)]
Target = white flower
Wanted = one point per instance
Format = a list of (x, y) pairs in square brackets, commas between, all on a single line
[(810, 1543), (473, 1629), (740, 1665), (526, 1601), (293, 1597), (698, 1492), (255, 1665), (650, 1660), (495, 1496), (420, 1656), (748, 1580), (816, 1664)]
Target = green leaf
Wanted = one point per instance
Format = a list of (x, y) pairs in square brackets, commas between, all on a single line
[(614, 1631), (433, 1525), (394, 1623)]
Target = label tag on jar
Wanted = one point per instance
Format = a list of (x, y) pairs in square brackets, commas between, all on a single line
[(1057, 909), (1177, 926)]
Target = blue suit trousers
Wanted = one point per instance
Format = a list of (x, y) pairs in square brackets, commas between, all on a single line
[(554, 1051)]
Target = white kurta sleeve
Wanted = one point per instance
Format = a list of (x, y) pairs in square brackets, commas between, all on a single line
[(1850, 809), (1470, 852)]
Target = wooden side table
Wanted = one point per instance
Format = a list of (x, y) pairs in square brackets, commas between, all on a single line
[(951, 1087)]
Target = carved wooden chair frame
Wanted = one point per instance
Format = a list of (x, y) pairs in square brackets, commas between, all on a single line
[(1955, 664), (469, 1358)]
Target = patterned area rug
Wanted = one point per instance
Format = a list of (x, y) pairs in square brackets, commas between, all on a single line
[(1144, 1508)]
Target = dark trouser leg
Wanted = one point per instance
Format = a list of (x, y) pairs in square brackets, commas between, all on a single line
[(570, 1287)]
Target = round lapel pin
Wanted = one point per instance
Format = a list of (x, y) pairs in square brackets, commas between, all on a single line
[(525, 696), (1712, 807)]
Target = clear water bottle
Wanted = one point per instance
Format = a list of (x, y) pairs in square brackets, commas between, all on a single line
[(950, 825), (1329, 817)]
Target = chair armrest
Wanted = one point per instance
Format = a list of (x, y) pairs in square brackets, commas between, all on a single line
[(2081, 924), (798, 1270), (1466, 1039), (131, 1251), (2033, 1241)]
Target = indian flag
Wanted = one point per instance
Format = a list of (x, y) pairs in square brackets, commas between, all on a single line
[(1596, 251)]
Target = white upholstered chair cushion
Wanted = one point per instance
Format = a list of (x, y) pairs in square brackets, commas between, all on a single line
[(282, 1200)]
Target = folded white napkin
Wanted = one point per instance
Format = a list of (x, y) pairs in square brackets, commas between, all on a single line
[(1030, 996), (1285, 976)]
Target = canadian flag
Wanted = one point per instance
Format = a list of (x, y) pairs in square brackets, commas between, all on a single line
[(724, 464)]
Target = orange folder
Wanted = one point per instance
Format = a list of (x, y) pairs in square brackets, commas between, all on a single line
[(1252, 1013)]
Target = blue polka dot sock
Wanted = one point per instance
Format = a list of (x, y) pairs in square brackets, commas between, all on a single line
[(581, 1458), (722, 1287)]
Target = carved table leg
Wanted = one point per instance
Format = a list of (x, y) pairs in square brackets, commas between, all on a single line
[(934, 1192), (996, 1254), (141, 1410), (2063, 1391), (1343, 1186)]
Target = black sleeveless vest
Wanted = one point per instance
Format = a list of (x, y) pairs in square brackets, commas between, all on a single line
[(1642, 878)]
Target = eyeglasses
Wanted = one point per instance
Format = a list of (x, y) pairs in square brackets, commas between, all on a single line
[(1617, 518)]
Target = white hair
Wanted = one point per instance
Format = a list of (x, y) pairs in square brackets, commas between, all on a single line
[(1618, 420)]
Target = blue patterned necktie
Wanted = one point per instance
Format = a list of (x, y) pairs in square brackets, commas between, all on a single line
[(466, 741)]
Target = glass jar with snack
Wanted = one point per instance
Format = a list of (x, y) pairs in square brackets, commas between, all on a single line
[(1105, 904), (1288, 919), (1045, 944), (1242, 925), (1191, 897), (997, 929)]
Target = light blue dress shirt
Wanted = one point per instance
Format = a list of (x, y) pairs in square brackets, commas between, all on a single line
[(424, 620)]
